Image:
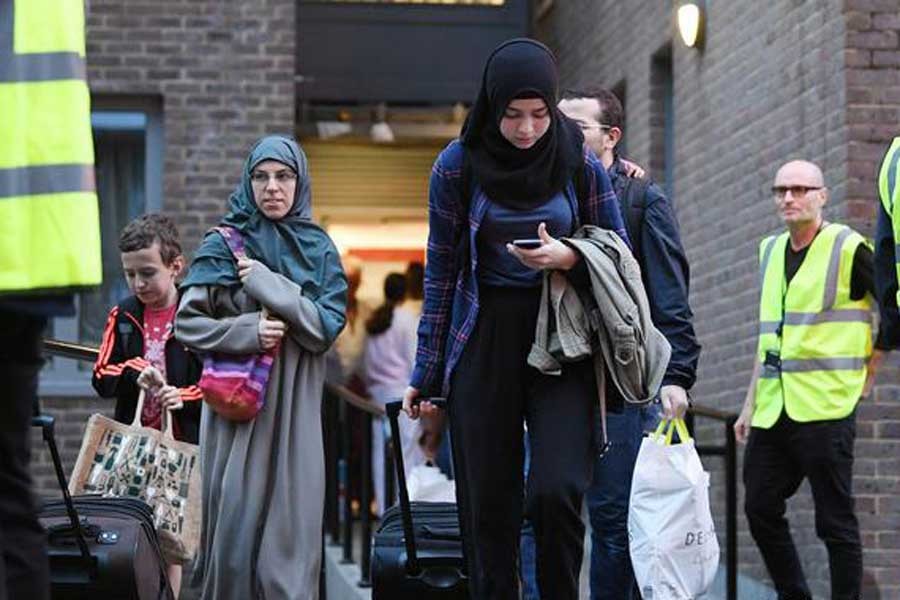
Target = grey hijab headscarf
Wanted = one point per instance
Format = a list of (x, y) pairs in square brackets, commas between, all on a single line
[(293, 246)]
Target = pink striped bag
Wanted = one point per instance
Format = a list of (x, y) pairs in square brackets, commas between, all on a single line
[(234, 385)]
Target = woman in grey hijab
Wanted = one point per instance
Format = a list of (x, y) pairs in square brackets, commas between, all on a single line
[(264, 480)]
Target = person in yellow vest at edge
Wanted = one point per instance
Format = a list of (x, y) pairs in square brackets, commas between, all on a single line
[(887, 246), (49, 243), (814, 362)]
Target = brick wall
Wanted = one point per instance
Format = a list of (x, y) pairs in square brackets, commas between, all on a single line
[(777, 80), (71, 418), (225, 74)]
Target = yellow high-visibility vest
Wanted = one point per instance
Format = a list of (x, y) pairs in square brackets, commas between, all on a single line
[(823, 338), (49, 222), (889, 191)]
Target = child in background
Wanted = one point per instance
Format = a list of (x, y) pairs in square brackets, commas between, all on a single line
[(138, 349)]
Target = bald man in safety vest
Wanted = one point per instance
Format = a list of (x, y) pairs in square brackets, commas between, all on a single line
[(814, 362)]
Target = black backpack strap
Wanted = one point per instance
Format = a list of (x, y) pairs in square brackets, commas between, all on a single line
[(632, 205)]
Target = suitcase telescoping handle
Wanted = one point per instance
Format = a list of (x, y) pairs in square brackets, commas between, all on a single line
[(46, 423), (393, 412)]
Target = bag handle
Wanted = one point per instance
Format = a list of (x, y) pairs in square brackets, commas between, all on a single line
[(167, 420), (168, 424), (235, 242), (233, 239), (667, 427), (392, 410), (136, 422), (46, 423)]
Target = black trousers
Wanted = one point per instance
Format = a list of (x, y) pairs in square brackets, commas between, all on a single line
[(775, 463), (493, 392), (23, 568)]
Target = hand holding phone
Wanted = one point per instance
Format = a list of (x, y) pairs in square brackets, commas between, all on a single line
[(543, 252), (527, 244)]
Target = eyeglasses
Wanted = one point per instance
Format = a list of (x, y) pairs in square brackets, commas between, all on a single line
[(281, 177), (591, 126), (797, 191)]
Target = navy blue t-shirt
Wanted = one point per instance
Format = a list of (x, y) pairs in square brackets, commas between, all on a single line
[(501, 225)]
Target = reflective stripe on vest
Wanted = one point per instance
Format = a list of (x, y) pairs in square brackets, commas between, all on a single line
[(889, 192), (49, 222), (826, 337)]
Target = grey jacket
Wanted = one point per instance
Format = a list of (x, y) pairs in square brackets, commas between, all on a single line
[(612, 317)]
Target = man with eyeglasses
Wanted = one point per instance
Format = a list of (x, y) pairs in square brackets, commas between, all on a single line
[(653, 230), (814, 362)]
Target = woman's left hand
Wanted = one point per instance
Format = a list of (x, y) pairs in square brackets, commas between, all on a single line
[(552, 254), (246, 266)]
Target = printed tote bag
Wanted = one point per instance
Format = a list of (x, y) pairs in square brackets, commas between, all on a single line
[(132, 461)]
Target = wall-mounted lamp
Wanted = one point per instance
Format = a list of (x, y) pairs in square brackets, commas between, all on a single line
[(691, 19)]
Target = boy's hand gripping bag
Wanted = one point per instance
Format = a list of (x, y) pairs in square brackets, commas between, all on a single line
[(133, 461), (673, 544)]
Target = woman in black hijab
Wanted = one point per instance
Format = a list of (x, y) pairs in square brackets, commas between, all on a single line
[(508, 177)]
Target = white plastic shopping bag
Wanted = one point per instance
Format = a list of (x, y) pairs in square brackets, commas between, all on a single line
[(674, 549), (428, 484)]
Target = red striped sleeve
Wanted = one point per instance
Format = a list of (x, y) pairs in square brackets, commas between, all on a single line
[(138, 363), (103, 367), (108, 340), (191, 393)]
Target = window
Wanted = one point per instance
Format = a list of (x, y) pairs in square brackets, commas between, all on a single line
[(662, 113), (128, 167)]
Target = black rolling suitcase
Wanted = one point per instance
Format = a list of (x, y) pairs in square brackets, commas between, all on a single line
[(100, 547), (417, 552)]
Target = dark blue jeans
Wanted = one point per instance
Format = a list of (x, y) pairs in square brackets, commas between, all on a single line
[(611, 575)]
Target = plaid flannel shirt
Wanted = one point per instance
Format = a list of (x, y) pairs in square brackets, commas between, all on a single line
[(451, 294)]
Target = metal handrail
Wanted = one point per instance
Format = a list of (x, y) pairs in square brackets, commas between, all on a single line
[(728, 451), (70, 350), (338, 449), (711, 413), (82, 352), (354, 399)]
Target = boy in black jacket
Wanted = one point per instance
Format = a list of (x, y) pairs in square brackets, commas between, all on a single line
[(138, 348)]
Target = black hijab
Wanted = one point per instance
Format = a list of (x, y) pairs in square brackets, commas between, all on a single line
[(516, 178)]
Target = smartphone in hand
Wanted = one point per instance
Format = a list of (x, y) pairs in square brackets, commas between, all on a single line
[(529, 244)]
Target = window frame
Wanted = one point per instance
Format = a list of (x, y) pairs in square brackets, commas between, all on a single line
[(62, 376)]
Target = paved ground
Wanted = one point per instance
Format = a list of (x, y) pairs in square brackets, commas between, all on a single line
[(342, 579)]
